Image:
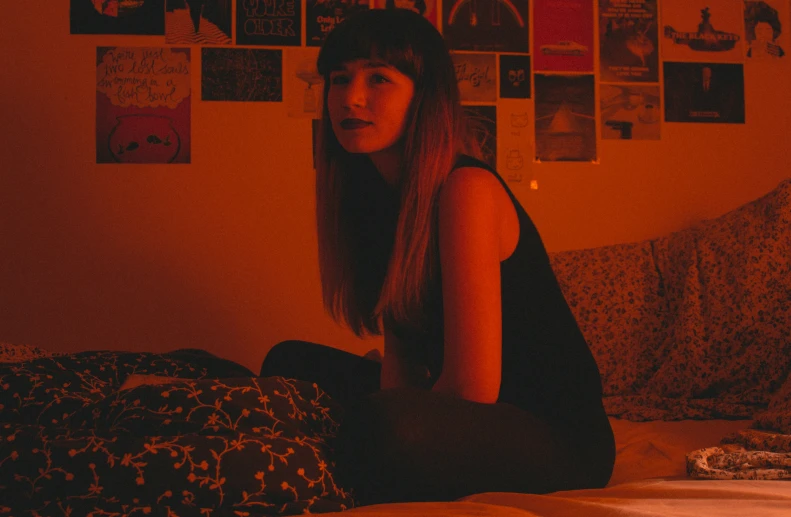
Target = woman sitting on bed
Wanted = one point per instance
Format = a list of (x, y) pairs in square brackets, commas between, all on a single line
[(486, 383)]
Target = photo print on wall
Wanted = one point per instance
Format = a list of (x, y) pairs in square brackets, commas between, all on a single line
[(565, 118), (704, 92), (486, 25), (476, 76), (302, 84), (198, 22), (563, 35), (241, 74), (628, 41), (142, 105), (483, 121), (766, 30), (264, 22), (145, 17), (630, 112)]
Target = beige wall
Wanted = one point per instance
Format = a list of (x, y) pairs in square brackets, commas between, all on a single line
[(221, 254)]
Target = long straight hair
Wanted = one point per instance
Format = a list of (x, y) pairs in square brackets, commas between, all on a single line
[(436, 133)]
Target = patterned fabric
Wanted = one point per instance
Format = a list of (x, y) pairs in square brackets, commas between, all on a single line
[(10, 353), (696, 324), (745, 455), (215, 443)]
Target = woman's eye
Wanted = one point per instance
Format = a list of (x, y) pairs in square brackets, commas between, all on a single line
[(379, 78)]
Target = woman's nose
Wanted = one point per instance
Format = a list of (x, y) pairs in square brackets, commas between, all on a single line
[(355, 92)]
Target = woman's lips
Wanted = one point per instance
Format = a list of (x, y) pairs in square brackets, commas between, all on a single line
[(354, 123)]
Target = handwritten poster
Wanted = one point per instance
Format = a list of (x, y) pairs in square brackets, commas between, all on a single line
[(629, 46), (702, 30), (630, 112), (514, 76), (321, 16), (565, 118), (241, 74), (142, 105), (563, 35), (493, 26), (117, 17), (515, 139), (476, 75), (428, 8), (704, 92), (264, 22), (766, 29)]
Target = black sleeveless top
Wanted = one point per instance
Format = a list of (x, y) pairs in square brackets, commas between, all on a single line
[(547, 367)]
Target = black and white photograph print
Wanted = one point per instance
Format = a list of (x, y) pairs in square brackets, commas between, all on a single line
[(704, 92), (241, 74), (145, 17), (565, 118), (630, 111), (483, 121), (514, 76), (766, 28), (198, 22)]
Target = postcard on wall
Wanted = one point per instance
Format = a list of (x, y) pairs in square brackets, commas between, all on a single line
[(704, 92), (515, 76), (630, 111), (263, 22), (702, 30), (321, 16), (198, 22), (303, 86), (428, 8), (495, 26), (477, 76), (142, 105), (563, 35), (241, 74), (515, 139), (483, 121), (118, 17), (565, 118), (766, 29), (628, 48)]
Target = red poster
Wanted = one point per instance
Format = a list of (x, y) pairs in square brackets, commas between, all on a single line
[(563, 35)]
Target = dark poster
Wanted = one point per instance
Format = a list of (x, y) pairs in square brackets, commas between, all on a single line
[(237, 74), (628, 35), (704, 92), (118, 17), (483, 121), (268, 22), (565, 118), (321, 16), (514, 76), (198, 22), (486, 25)]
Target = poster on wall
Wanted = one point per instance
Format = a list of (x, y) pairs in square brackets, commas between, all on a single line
[(302, 84), (702, 30), (563, 35), (488, 25), (515, 139), (321, 16), (766, 29), (565, 118), (428, 8), (704, 92), (142, 105), (628, 36), (630, 111), (263, 22), (476, 75), (241, 74), (514, 76), (117, 17), (198, 22), (483, 121)]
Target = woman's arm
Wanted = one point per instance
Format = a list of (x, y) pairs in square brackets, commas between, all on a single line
[(472, 242)]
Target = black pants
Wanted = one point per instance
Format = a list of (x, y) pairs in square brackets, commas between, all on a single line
[(418, 445)]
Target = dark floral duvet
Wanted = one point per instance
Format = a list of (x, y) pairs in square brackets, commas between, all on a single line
[(217, 441)]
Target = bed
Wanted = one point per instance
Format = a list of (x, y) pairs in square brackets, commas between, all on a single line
[(691, 332)]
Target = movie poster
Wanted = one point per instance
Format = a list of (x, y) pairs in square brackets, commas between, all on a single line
[(198, 22), (488, 25), (565, 118), (302, 83), (321, 16), (428, 8), (242, 74), (515, 76), (263, 22), (563, 35), (477, 76), (766, 29), (630, 112), (702, 30), (118, 17), (515, 139), (629, 46), (142, 105), (483, 121), (704, 92)]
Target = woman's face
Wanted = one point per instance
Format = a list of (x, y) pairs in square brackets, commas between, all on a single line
[(764, 32), (368, 103)]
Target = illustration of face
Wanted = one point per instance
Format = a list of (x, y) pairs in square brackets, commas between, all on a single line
[(368, 103), (764, 32)]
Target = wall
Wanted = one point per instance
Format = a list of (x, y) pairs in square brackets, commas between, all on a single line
[(221, 254)]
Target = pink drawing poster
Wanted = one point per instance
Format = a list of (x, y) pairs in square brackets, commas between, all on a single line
[(563, 35), (142, 105)]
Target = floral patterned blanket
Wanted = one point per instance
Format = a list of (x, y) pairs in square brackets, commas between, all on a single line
[(216, 441)]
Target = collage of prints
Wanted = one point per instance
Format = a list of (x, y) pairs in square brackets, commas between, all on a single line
[(544, 79)]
